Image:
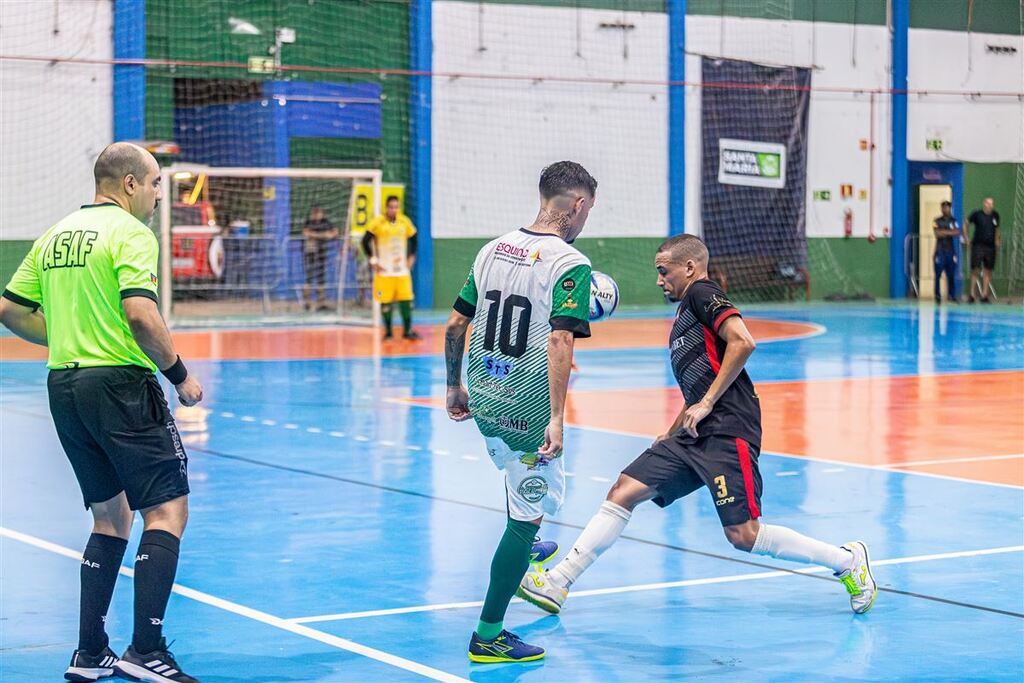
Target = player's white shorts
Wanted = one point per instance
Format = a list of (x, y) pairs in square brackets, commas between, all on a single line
[(532, 493)]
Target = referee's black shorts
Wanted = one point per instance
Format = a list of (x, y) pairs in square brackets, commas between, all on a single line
[(726, 465), (983, 256), (119, 434)]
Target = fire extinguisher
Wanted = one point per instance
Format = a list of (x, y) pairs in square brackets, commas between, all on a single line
[(847, 222)]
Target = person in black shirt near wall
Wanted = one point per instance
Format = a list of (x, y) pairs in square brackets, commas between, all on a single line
[(946, 230), (984, 243), (714, 442), (317, 233)]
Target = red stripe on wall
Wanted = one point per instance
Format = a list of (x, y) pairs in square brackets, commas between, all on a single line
[(748, 478), (712, 349)]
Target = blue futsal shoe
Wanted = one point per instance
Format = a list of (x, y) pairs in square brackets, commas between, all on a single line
[(542, 552), (506, 647)]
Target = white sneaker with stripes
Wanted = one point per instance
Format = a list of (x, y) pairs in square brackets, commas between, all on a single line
[(87, 667), (157, 666)]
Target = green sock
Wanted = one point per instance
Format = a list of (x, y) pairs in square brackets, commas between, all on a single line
[(405, 308), (511, 560), (488, 631), (386, 312)]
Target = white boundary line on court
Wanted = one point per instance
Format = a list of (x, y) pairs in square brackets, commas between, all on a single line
[(977, 458), (734, 578), (257, 615), (895, 468)]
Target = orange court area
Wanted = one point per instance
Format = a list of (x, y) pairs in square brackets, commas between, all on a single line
[(913, 424), (270, 343), (964, 425)]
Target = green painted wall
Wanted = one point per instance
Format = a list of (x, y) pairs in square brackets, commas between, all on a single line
[(11, 254), (348, 34), (847, 11), (630, 260), (620, 5), (836, 11), (984, 16), (848, 267), (1000, 181)]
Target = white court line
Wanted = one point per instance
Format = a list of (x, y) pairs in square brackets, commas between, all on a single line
[(827, 461), (262, 617), (815, 459), (978, 458), (734, 578)]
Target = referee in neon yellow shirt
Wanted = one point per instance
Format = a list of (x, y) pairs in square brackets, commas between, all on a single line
[(88, 290)]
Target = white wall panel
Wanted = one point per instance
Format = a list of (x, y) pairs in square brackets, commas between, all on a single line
[(492, 137), (54, 117), (843, 57), (983, 128)]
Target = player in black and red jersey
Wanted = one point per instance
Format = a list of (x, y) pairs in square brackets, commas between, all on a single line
[(714, 442)]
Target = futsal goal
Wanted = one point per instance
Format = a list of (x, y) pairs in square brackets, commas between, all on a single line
[(240, 246)]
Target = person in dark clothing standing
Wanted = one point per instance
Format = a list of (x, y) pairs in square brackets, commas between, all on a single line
[(317, 233), (984, 243), (946, 231)]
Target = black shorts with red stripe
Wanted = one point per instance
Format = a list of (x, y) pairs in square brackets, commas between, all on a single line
[(727, 465)]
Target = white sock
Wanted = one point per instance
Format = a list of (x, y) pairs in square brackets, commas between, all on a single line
[(786, 544), (601, 532)]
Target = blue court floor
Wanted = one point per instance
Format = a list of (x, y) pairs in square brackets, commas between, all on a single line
[(340, 533)]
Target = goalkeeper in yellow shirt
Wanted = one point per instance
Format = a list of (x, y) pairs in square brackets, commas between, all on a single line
[(390, 244)]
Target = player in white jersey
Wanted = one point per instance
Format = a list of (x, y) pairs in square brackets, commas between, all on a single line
[(528, 297)]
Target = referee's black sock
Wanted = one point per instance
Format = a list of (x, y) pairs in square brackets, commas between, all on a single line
[(100, 564), (155, 566)]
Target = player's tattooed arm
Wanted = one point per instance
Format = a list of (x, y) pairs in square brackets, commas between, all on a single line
[(457, 400)]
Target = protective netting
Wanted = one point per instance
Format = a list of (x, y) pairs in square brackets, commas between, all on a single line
[(265, 244), (787, 126)]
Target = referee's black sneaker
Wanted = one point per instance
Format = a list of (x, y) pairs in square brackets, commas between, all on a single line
[(87, 667), (157, 666)]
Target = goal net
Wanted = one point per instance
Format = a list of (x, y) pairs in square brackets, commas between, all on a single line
[(245, 245)]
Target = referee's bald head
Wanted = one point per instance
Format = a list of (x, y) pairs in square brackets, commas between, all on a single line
[(119, 160), (128, 176)]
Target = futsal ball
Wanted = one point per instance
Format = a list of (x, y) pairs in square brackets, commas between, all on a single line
[(604, 296)]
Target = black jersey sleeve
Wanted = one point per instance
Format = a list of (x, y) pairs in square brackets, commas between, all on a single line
[(710, 304)]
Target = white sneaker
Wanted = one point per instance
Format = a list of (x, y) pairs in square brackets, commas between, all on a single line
[(538, 589), (857, 580)]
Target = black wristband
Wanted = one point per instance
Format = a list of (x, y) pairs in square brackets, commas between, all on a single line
[(177, 373)]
